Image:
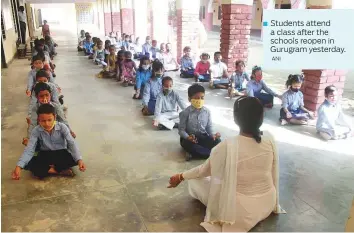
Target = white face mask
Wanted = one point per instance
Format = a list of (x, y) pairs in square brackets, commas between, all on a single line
[(145, 67)]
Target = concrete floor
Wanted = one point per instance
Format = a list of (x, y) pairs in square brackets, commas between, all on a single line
[(129, 163)]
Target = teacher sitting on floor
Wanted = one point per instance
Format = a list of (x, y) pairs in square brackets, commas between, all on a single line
[(239, 182)]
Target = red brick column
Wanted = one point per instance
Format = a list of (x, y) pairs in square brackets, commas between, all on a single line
[(235, 33), (107, 23), (116, 27)]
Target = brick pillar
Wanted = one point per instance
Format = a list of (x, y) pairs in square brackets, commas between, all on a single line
[(317, 80), (116, 23), (187, 25), (235, 31), (107, 14), (127, 20)]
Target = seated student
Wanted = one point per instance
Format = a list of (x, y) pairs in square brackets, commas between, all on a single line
[(39, 50), (187, 64), (126, 43), (143, 74), (167, 58), (80, 40), (293, 110), (119, 64), (112, 38), (43, 77), (99, 54), (256, 85), (153, 50), (38, 64), (332, 124), (152, 89), (201, 72), (58, 151), (42, 92), (94, 47), (137, 48), (129, 69), (195, 126), (110, 70), (51, 45), (219, 78), (167, 102), (87, 45), (107, 43), (238, 80), (146, 47)]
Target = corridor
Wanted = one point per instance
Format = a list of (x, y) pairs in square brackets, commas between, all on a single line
[(129, 163)]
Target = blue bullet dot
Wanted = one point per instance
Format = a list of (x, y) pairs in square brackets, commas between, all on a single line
[(265, 24)]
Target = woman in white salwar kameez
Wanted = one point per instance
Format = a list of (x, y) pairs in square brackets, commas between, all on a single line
[(239, 182)]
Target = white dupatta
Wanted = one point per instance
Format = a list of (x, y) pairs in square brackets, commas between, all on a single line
[(223, 183)]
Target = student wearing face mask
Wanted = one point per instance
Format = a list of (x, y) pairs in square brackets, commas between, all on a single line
[(238, 80), (195, 126), (201, 72), (126, 43), (142, 76), (256, 85), (152, 89), (147, 47), (293, 110), (166, 108), (332, 124)]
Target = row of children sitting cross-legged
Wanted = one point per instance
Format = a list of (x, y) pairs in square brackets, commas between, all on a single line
[(50, 145)]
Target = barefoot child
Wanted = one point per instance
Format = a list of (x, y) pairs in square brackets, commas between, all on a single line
[(99, 54), (142, 76), (293, 110), (55, 142), (238, 80), (256, 85), (119, 64), (219, 78), (129, 69), (166, 108), (332, 124), (201, 71), (110, 70), (195, 126), (152, 89)]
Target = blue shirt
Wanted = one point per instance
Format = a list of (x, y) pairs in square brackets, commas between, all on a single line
[(239, 78), (194, 121), (125, 44), (53, 94), (152, 88), (153, 52), (330, 115), (292, 100), (59, 139), (58, 111), (253, 88), (142, 77), (146, 48), (168, 103), (88, 46), (187, 62)]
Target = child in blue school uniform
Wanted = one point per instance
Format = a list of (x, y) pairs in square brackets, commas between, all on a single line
[(256, 87), (332, 124), (293, 110), (152, 89), (143, 74), (58, 151), (88, 45), (238, 80), (195, 126), (187, 64)]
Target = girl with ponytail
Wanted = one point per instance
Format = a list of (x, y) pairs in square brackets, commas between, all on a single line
[(293, 110)]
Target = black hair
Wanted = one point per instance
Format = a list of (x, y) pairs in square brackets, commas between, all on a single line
[(42, 73), (330, 89), (248, 115), (142, 59), (156, 65), (41, 87), (47, 38), (126, 36), (217, 53), (239, 62), (127, 53), (186, 48), (166, 78), (112, 47), (21, 8), (37, 58), (46, 109), (294, 78), (194, 89), (255, 69), (106, 43), (204, 55)]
